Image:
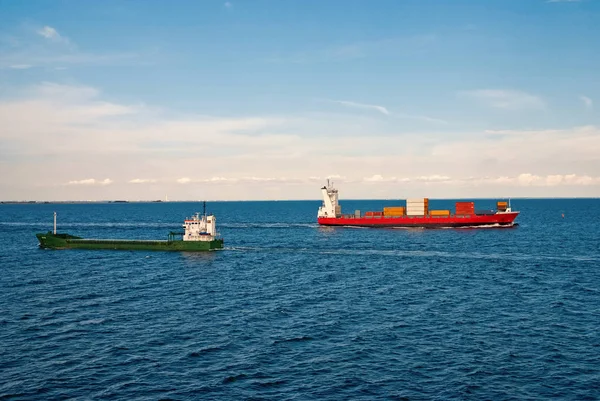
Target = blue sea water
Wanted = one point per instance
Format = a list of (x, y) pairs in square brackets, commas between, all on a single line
[(291, 310)]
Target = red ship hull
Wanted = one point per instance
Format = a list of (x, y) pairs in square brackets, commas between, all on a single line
[(499, 219)]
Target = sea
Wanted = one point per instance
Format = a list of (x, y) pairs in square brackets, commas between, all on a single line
[(290, 310)]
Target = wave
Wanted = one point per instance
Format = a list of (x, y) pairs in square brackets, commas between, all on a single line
[(206, 350), (234, 378), (269, 225), (293, 340), (409, 253)]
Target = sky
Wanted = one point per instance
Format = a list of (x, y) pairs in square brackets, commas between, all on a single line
[(252, 100)]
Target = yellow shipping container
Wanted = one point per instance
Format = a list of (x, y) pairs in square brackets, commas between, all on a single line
[(439, 212), (394, 211)]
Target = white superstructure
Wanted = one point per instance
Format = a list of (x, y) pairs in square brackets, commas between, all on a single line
[(200, 228), (330, 207)]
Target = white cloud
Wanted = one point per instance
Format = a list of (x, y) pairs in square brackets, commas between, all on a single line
[(52, 34), (433, 177), (379, 178), (528, 179), (523, 180), (375, 107), (21, 66), (90, 181), (49, 33), (587, 102), (142, 181), (271, 157), (506, 99)]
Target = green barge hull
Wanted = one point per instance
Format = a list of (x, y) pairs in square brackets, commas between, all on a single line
[(66, 241)]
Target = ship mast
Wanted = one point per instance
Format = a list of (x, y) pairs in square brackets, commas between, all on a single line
[(54, 232)]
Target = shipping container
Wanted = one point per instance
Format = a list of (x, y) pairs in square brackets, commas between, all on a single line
[(439, 212), (415, 213), (368, 214), (465, 208), (394, 211)]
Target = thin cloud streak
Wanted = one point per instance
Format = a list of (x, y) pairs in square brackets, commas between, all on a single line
[(385, 111), (375, 107), (29, 53), (506, 99), (358, 50)]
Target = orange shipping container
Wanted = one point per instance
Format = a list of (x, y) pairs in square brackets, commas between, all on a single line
[(439, 212), (394, 211)]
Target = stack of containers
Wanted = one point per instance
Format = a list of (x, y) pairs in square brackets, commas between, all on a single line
[(395, 211), (417, 206), (465, 208)]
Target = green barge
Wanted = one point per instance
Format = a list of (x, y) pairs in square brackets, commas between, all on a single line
[(199, 235)]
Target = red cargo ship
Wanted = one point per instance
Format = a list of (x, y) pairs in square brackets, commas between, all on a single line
[(416, 213)]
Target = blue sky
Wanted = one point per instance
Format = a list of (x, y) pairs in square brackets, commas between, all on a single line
[(393, 98)]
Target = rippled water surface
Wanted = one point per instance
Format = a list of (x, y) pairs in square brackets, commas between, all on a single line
[(290, 310)]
